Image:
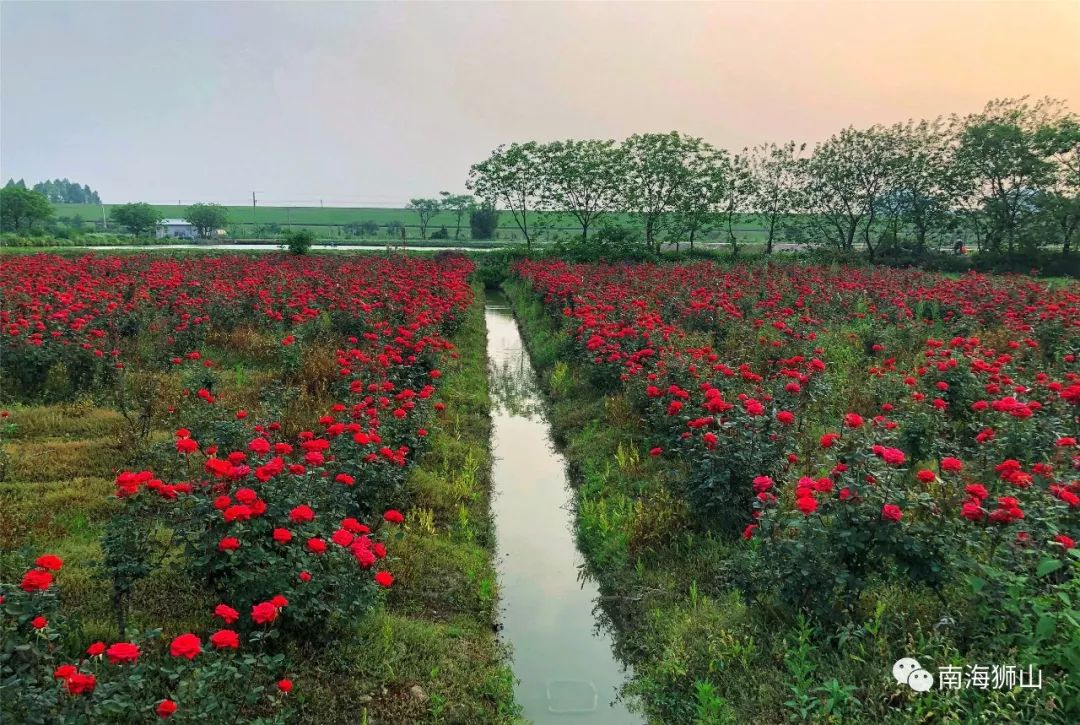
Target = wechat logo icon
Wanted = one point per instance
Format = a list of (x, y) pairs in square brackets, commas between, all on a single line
[(908, 671)]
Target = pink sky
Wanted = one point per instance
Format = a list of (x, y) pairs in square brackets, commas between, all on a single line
[(374, 103)]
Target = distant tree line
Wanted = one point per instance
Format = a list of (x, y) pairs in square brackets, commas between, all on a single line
[(1005, 179), (60, 191), (483, 216)]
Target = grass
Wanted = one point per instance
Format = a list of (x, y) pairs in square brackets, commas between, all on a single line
[(318, 216)]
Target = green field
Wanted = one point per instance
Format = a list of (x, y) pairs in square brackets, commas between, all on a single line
[(329, 221)]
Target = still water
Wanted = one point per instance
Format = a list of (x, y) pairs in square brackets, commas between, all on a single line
[(562, 658)]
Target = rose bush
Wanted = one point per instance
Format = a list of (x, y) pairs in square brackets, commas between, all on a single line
[(857, 429), (281, 509)]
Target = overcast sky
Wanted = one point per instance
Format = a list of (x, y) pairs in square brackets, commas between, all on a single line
[(371, 103)]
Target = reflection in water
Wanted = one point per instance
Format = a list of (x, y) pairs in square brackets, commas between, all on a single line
[(513, 385), (562, 659)]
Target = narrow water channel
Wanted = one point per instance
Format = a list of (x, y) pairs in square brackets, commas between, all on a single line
[(563, 660)]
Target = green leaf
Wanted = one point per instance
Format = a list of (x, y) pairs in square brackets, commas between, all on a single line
[(1046, 566), (1045, 627)]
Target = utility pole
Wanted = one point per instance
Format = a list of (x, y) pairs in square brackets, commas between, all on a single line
[(104, 219), (253, 208)]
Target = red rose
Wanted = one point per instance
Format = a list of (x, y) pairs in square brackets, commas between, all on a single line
[(165, 708), (49, 561), (36, 580), (384, 579), (394, 516), (225, 639), (953, 465), (97, 648), (229, 543), (301, 514), (186, 445), (285, 686), (39, 622), (891, 512), (282, 536), (122, 652), (64, 671), (264, 613), (226, 613), (80, 684), (828, 440), (316, 546), (186, 645)]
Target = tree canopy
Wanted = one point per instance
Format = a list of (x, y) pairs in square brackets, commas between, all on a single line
[(1005, 180), (21, 208), (138, 218), (206, 218)]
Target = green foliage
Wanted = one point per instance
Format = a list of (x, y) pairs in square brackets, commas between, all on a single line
[(425, 210), (610, 243), (206, 218), (299, 241), (139, 218), (510, 178), (483, 221), (21, 209), (62, 191)]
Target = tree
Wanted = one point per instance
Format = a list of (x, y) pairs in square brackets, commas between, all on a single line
[(734, 193), (63, 191), (483, 221), (21, 208), (459, 204), (699, 199), (1061, 200), (924, 186), (582, 178), (510, 177), (140, 218), (775, 173), (1007, 165), (659, 166), (847, 177), (206, 218), (299, 241), (425, 209)]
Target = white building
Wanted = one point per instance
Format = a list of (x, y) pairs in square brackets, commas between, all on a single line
[(175, 228)]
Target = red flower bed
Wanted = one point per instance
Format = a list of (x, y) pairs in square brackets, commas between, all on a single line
[(291, 528), (857, 427)]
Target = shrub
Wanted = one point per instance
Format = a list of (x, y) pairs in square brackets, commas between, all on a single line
[(299, 241)]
